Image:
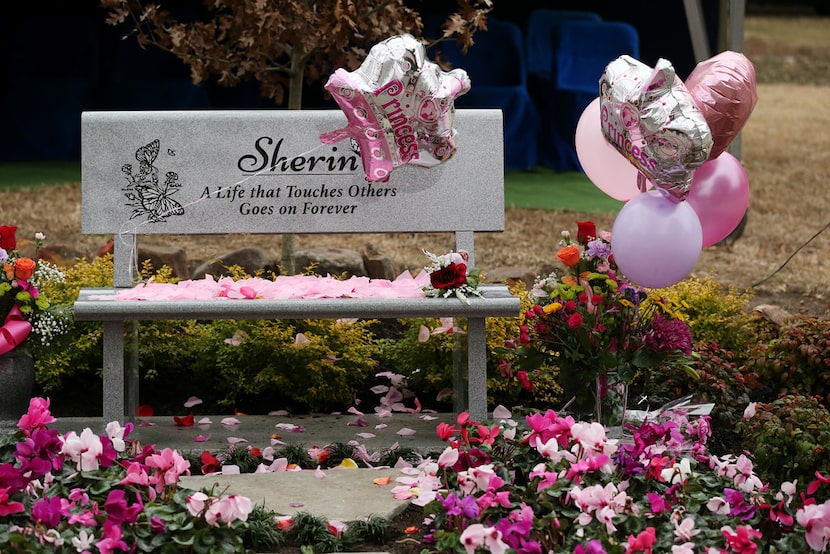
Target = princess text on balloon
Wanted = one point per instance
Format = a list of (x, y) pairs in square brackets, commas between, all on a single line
[(403, 131)]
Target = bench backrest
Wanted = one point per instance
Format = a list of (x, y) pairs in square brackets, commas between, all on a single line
[(221, 172)]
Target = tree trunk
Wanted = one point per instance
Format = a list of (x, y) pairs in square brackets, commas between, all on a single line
[(295, 102)]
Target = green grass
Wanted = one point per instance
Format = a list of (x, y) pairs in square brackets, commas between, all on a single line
[(541, 189), (17, 175), (547, 190)]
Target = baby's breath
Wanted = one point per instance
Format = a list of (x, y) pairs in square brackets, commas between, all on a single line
[(23, 290)]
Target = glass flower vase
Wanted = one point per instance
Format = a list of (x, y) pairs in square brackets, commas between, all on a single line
[(611, 400), (578, 391)]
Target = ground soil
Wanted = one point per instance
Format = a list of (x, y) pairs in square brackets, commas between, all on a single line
[(781, 255)]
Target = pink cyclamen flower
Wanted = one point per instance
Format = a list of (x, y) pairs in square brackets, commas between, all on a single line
[(477, 535), (118, 434), (815, 518), (7, 507), (38, 415), (84, 449), (196, 503), (171, 466), (112, 541), (228, 509), (741, 540), (643, 542)]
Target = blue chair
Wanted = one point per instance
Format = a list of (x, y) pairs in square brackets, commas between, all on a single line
[(495, 64), (541, 44), (585, 49), (542, 37)]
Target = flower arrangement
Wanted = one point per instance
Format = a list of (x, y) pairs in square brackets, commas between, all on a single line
[(105, 493), (450, 276), (553, 484), (594, 325), (23, 308)]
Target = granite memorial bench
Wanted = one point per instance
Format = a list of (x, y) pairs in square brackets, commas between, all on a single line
[(267, 172)]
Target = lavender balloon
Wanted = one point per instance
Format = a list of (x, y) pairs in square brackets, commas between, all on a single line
[(656, 240)]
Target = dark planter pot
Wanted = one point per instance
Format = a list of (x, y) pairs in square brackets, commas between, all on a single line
[(17, 379)]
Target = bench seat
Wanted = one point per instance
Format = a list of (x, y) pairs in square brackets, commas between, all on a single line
[(496, 301)]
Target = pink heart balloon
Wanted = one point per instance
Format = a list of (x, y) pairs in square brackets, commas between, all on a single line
[(723, 87)]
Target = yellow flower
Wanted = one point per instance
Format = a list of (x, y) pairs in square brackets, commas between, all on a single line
[(552, 308)]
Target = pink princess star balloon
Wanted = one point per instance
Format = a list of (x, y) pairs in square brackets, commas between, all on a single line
[(399, 107)]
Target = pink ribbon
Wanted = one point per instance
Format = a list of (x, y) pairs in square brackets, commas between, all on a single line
[(14, 331)]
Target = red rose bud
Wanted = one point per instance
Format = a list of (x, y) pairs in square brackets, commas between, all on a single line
[(450, 277), (7, 237), (585, 231)]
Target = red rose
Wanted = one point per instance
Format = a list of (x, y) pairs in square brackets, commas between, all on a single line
[(450, 277), (7, 239), (585, 231)]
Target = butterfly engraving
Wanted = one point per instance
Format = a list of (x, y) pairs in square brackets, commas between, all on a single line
[(146, 196)]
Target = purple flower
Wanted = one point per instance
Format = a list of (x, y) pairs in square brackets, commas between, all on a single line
[(669, 335), (597, 249), (740, 508), (466, 506)]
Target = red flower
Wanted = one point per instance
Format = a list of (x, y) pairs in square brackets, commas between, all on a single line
[(7, 238), (575, 320), (585, 231), (210, 463), (452, 276), (523, 379)]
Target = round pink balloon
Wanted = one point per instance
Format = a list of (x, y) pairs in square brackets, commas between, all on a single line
[(719, 195), (609, 170), (656, 240)]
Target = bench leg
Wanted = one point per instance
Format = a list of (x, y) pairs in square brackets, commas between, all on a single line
[(114, 408), (120, 379), (477, 368)]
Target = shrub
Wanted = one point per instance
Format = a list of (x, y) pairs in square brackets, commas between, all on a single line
[(713, 312), (76, 354), (717, 379), (424, 350), (789, 438), (798, 360), (258, 365)]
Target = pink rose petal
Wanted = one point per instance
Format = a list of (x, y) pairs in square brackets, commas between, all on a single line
[(366, 435), (202, 438), (192, 401), (406, 432)]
